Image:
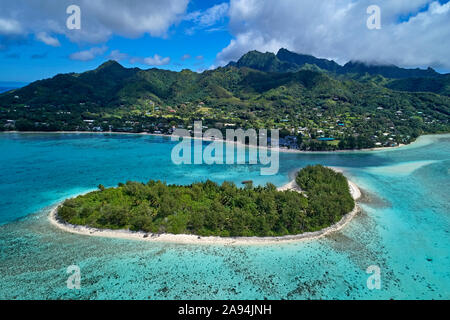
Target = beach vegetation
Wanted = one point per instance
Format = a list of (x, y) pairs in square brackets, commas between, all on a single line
[(209, 209)]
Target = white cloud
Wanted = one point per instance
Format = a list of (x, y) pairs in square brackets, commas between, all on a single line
[(9, 27), (156, 60), (118, 56), (207, 18), (100, 18), (213, 15), (336, 29), (48, 40), (88, 55)]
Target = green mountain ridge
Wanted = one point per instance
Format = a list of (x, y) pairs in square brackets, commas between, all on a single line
[(111, 83), (287, 61), (357, 110)]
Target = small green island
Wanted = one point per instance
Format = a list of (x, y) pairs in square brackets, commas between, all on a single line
[(209, 209)]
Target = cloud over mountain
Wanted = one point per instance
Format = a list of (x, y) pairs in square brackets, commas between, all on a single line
[(87, 55), (414, 32)]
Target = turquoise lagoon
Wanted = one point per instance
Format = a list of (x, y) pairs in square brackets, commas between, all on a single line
[(404, 227)]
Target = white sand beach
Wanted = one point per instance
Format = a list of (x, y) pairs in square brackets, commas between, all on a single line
[(194, 239)]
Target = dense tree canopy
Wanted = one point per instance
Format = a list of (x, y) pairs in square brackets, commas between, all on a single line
[(210, 209)]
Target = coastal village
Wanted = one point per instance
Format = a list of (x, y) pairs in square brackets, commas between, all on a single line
[(308, 129)]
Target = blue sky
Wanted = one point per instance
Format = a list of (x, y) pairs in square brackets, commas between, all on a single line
[(196, 34), (187, 45)]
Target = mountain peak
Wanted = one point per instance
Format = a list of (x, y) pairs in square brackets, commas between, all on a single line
[(267, 62), (256, 53), (284, 51), (110, 64), (301, 60)]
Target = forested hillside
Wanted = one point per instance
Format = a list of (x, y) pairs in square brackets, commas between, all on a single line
[(315, 106)]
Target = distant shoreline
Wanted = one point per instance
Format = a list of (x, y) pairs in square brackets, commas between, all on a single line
[(284, 150), (195, 239)]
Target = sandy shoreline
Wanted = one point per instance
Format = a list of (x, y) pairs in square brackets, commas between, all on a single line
[(281, 149), (194, 239)]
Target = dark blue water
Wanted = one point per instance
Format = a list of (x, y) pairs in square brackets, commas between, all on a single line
[(4, 89), (7, 86)]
